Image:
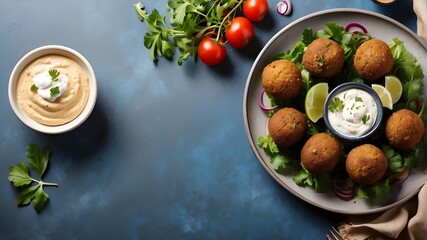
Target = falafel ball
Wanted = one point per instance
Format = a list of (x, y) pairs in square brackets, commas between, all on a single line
[(287, 127), (282, 79), (404, 129), (373, 59), (321, 153), (366, 164), (323, 58)]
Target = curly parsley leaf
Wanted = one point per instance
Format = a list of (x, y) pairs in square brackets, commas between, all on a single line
[(31, 189)]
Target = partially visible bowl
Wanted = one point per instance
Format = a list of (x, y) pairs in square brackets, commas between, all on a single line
[(350, 112), (32, 56), (384, 2)]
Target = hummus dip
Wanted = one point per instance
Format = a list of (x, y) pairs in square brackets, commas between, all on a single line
[(63, 109)]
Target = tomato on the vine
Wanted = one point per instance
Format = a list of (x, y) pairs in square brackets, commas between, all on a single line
[(210, 52), (255, 10), (240, 32)]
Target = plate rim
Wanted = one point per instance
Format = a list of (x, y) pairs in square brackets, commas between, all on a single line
[(249, 135)]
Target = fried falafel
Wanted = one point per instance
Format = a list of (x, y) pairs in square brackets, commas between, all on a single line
[(366, 164), (373, 59), (282, 79), (404, 129), (287, 127), (323, 58), (321, 153)]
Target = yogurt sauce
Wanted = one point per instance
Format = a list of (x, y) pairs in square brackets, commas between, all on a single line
[(353, 112), (44, 83)]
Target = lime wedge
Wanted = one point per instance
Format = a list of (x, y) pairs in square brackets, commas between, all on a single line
[(314, 101), (394, 86), (384, 95)]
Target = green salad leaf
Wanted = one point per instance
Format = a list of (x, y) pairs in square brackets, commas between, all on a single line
[(408, 70)]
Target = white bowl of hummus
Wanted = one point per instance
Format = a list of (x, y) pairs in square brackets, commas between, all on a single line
[(52, 89)]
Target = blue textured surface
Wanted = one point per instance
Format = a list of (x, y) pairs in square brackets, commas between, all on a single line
[(164, 155)]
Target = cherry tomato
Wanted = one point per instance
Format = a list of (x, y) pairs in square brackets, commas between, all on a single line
[(210, 52), (255, 10), (240, 32)]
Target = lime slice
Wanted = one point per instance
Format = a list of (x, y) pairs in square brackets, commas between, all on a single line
[(314, 101), (384, 95), (394, 86)]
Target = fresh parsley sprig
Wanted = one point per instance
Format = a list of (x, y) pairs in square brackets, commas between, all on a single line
[(189, 22), (31, 189)]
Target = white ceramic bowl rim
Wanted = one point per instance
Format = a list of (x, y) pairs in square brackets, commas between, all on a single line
[(37, 53)]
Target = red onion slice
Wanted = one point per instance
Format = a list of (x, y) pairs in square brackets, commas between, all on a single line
[(355, 25), (261, 102), (284, 7), (344, 189), (401, 177)]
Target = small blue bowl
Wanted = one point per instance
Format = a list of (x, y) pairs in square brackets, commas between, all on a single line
[(344, 87)]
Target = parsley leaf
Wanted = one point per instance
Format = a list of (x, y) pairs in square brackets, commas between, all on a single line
[(18, 174), (336, 105), (398, 159), (38, 158), (54, 91), (20, 177), (319, 182), (293, 55), (278, 161), (365, 118), (54, 74), (378, 190), (34, 88)]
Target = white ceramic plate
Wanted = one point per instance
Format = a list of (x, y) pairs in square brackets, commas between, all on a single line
[(379, 26)]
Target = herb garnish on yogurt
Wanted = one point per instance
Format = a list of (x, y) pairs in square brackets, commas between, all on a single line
[(49, 86)]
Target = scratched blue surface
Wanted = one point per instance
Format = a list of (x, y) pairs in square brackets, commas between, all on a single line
[(164, 155)]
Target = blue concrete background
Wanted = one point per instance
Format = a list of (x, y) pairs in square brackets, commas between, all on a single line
[(164, 154)]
